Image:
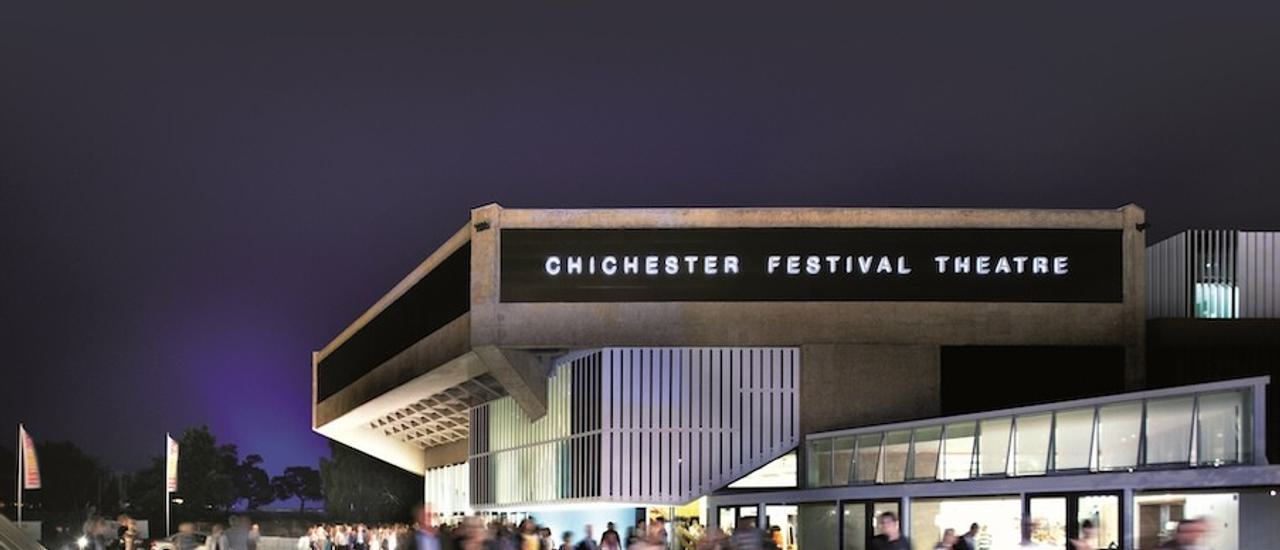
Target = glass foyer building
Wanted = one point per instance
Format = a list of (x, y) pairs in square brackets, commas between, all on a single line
[(811, 368)]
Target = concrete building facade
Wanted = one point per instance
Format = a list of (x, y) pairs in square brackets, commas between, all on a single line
[(636, 357)]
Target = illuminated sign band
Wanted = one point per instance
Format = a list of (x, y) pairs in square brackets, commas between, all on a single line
[(798, 264)]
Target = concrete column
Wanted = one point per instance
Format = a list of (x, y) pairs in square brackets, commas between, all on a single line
[(1135, 296), (904, 516), (1127, 511)]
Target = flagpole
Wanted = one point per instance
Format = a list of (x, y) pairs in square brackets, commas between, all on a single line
[(167, 498), (20, 472)]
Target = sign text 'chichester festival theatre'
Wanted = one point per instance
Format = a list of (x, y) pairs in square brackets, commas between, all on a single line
[(830, 264), (1000, 265)]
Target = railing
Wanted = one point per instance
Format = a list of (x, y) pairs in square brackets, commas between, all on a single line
[(1206, 425)]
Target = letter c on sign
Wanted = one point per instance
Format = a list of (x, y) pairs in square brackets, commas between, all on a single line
[(553, 265)]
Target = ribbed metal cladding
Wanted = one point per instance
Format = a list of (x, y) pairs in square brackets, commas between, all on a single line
[(682, 422), (639, 425), (1215, 274), (1168, 278), (1213, 258), (518, 461), (1259, 273)]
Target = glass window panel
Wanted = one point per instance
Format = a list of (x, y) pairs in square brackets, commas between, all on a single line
[(924, 452), (1169, 430), (842, 456), (1219, 426), (993, 446), (999, 521), (868, 457), (816, 526), (1072, 439), (855, 526), (1103, 512), (1047, 526), (1118, 427), (784, 518), (896, 450), (819, 463), (781, 472), (878, 509), (1031, 452), (957, 458), (728, 518)]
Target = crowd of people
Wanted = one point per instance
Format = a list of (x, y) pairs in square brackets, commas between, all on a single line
[(353, 537), (478, 533)]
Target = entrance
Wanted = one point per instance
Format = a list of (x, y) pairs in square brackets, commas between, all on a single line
[(1052, 520), (858, 522), (733, 516)]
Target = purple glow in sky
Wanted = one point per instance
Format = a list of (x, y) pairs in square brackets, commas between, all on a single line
[(193, 201)]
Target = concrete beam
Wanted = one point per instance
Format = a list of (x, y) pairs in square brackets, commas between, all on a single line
[(445, 455), (522, 373)]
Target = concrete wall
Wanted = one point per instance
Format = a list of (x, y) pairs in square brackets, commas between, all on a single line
[(1259, 528), (856, 385), (853, 351)]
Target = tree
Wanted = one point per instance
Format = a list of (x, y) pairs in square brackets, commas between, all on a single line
[(72, 484), (206, 480), (300, 482), (8, 463), (206, 473), (358, 487), (252, 483)]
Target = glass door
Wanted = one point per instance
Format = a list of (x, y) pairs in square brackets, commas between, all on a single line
[(1045, 523), (1098, 520), (1051, 521), (858, 522)]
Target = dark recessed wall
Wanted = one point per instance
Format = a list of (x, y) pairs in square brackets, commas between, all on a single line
[(1193, 351), (984, 378), (441, 296)]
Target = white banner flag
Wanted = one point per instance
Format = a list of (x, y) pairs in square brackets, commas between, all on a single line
[(171, 465), (30, 464)]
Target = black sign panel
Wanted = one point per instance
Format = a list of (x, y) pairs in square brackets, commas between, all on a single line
[(799, 264)]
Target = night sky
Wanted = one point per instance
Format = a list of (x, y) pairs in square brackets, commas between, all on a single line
[(193, 201)]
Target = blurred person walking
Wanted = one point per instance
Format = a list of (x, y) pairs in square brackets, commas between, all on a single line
[(610, 540), (237, 533), (1088, 534), (186, 538), (890, 537), (1189, 535), (217, 538), (425, 536), (340, 539), (588, 541), (969, 540), (948, 540), (360, 541)]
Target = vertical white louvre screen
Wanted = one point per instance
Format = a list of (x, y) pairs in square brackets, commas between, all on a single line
[(445, 489), (639, 425), (682, 422)]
